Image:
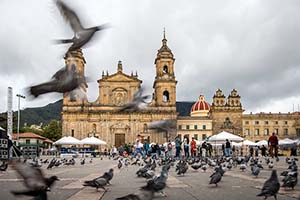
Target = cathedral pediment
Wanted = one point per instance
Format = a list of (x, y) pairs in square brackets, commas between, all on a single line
[(119, 77)]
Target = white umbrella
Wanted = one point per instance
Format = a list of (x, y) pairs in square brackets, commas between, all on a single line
[(286, 141), (92, 141), (225, 135), (262, 142), (67, 141)]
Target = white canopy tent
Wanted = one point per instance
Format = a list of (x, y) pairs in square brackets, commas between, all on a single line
[(286, 141), (248, 143), (67, 141), (225, 135), (262, 142), (237, 144), (92, 141)]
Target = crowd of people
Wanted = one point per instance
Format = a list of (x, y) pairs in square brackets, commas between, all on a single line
[(187, 148)]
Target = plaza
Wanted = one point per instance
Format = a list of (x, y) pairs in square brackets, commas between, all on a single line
[(235, 184)]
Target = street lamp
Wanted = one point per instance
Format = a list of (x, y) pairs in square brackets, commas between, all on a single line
[(18, 130)]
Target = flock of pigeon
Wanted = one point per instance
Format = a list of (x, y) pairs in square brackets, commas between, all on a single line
[(38, 185), (67, 79), (156, 184)]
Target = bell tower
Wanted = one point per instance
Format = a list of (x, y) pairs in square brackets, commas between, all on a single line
[(75, 59), (164, 84)]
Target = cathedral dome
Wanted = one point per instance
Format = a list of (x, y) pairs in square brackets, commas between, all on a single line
[(200, 108)]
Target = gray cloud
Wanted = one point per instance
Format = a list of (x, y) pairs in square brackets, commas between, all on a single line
[(248, 45)]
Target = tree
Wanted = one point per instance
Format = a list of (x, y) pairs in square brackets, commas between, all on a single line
[(53, 130)]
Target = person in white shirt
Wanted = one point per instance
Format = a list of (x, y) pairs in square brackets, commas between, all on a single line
[(138, 147)]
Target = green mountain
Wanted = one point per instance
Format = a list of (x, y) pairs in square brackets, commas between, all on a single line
[(52, 111), (36, 115)]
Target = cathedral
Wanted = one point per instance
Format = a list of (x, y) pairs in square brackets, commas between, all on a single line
[(104, 120)]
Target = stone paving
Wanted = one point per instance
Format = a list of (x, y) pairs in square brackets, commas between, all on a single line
[(193, 185)]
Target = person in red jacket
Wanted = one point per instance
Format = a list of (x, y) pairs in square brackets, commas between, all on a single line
[(273, 145), (193, 147)]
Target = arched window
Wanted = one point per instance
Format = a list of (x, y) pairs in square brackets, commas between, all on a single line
[(145, 128), (166, 96), (165, 69), (72, 132)]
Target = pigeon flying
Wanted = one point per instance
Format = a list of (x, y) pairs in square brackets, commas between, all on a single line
[(137, 104), (64, 80), (81, 35), (35, 181)]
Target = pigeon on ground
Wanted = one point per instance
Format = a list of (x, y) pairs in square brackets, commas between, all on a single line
[(243, 167), (157, 184), (3, 167), (271, 186), (35, 181), (120, 164), (290, 180), (271, 165), (139, 195), (216, 177), (51, 164), (137, 104), (126, 162), (181, 168), (64, 80), (97, 183), (196, 166), (81, 35), (108, 175), (255, 170), (204, 168), (82, 162)]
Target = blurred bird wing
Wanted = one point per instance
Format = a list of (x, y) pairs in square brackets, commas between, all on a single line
[(70, 16), (33, 177), (60, 74)]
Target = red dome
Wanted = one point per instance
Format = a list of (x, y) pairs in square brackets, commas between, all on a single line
[(201, 106)]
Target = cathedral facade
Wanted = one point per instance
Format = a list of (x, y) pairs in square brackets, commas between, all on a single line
[(103, 118)]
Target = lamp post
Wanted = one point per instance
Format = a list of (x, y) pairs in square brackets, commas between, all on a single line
[(18, 130)]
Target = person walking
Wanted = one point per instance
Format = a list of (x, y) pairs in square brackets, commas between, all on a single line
[(146, 147), (273, 145), (263, 150), (256, 151), (223, 149), (186, 147), (209, 147), (169, 148), (193, 147), (178, 146), (227, 148), (251, 150), (138, 147), (204, 148)]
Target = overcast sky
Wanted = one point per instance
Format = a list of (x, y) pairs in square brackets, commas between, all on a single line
[(250, 45)]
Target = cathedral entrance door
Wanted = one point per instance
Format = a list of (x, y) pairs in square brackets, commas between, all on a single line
[(119, 139)]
